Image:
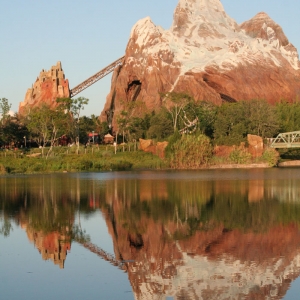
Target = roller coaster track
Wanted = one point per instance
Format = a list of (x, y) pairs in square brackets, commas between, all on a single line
[(88, 82), (103, 254)]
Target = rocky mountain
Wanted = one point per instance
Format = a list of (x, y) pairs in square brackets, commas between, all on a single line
[(208, 55), (168, 260), (48, 86)]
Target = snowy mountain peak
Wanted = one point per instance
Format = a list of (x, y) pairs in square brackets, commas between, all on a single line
[(262, 26), (208, 16), (207, 54)]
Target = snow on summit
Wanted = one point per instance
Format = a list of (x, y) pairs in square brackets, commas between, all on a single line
[(207, 55), (202, 35)]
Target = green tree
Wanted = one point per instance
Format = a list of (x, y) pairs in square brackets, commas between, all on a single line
[(46, 126), (86, 125), (4, 110), (288, 115), (206, 113), (161, 125), (13, 132), (235, 120), (127, 115), (230, 127), (138, 127), (261, 118), (175, 104), (123, 121), (73, 107)]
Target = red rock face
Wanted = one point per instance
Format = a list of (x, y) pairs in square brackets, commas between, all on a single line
[(218, 258), (156, 149), (207, 55), (49, 86)]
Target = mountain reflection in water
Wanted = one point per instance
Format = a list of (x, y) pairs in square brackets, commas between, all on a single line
[(187, 235)]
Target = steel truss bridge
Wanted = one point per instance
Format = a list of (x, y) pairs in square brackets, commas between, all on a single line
[(88, 82), (286, 140)]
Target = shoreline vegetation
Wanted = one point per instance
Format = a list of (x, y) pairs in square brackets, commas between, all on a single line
[(101, 158), (184, 135)]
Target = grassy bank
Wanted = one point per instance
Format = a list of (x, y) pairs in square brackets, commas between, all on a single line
[(67, 159), (107, 158)]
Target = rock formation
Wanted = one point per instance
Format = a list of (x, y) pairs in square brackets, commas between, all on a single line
[(208, 55), (154, 148), (49, 86), (166, 259)]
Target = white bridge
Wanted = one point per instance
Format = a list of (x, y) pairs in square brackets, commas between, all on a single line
[(286, 140)]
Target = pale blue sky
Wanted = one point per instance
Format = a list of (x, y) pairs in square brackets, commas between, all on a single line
[(88, 35)]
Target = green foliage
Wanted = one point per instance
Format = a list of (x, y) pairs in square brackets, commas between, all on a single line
[(229, 127), (235, 120), (4, 110), (47, 125), (206, 113), (12, 132), (86, 125), (2, 169), (11, 129), (73, 108), (64, 159), (288, 115), (175, 104), (138, 127), (129, 125), (270, 156), (121, 165), (176, 136), (160, 126), (260, 118), (191, 152), (5, 227), (240, 156)]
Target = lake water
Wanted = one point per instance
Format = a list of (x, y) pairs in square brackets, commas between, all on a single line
[(210, 234)]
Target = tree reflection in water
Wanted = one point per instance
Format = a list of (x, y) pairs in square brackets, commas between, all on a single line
[(186, 238)]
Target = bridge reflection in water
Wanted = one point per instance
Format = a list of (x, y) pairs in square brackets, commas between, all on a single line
[(187, 235)]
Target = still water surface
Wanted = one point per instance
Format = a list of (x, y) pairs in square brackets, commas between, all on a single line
[(213, 234)]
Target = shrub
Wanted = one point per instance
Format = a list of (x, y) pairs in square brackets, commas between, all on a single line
[(270, 156), (86, 164), (107, 154), (191, 152), (121, 166), (39, 167), (240, 156), (2, 169), (171, 141)]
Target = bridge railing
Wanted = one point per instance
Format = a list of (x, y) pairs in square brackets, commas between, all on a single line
[(285, 140)]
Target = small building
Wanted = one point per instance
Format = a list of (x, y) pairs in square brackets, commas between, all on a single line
[(108, 139), (93, 137)]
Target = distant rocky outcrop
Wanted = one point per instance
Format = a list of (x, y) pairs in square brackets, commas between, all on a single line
[(256, 145), (208, 55), (48, 86), (154, 148)]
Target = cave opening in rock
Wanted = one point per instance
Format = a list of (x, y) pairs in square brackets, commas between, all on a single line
[(133, 90)]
